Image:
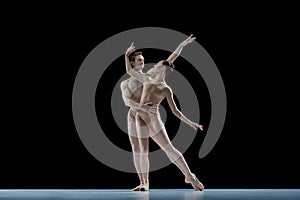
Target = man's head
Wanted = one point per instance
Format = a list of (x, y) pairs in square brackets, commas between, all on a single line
[(136, 60)]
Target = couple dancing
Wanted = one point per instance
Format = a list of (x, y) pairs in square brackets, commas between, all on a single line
[(143, 92)]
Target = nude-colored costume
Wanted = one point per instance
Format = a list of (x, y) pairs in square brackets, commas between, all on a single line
[(154, 126)]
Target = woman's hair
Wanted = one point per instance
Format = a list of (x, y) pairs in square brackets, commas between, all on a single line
[(170, 65)]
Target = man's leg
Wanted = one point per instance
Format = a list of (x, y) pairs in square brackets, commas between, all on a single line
[(143, 137), (134, 141)]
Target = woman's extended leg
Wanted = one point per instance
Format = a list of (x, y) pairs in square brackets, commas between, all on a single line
[(159, 135)]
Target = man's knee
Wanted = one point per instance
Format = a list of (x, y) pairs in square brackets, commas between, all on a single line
[(143, 148), (136, 148)]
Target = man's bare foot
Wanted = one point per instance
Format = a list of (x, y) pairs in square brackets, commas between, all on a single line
[(144, 187), (197, 185)]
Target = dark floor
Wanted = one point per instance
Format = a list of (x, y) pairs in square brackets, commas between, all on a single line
[(153, 194)]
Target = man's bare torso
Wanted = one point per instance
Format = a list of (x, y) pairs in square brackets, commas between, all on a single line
[(135, 89)]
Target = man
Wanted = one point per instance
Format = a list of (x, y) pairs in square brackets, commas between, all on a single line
[(131, 94)]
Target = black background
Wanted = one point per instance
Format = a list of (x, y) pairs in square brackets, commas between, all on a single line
[(255, 46)]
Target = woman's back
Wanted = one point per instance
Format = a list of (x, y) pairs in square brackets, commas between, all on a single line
[(153, 92)]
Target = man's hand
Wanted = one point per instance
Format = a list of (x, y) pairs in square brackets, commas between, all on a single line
[(130, 49), (148, 108), (188, 40)]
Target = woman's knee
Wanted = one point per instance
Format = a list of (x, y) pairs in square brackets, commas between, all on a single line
[(169, 148)]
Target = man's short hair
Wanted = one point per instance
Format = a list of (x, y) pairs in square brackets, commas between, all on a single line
[(133, 55)]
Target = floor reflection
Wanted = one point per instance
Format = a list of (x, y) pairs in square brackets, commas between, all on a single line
[(153, 194)]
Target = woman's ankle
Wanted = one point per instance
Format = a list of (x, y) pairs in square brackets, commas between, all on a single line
[(190, 176)]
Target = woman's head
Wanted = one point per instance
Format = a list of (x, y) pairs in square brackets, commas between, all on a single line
[(164, 67)]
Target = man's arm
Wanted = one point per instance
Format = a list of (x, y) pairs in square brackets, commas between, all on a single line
[(179, 48), (129, 102), (140, 77), (169, 95), (126, 97), (127, 53)]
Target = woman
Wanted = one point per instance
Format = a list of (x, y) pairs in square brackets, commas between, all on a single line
[(148, 118)]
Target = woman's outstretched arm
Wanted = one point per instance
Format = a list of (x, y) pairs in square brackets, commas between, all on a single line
[(169, 95), (177, 51), (179, 48)]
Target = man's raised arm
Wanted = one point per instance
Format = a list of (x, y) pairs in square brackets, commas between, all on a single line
[(127, 61), (140, 77)]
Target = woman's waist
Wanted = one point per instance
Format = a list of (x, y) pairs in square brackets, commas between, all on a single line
[(147, 107)]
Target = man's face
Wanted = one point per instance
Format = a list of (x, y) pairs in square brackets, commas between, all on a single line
[(138, 64)]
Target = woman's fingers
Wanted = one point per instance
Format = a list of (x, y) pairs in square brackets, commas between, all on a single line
[(200, 127)]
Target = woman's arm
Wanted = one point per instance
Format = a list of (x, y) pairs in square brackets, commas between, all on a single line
[(179, 48), (169, 95)]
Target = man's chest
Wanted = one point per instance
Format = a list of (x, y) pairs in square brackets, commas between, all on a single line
[(134, 85)]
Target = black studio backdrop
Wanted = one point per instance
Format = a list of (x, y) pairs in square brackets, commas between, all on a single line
[(254, 46)]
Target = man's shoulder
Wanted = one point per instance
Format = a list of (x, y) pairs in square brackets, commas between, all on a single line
[(126, 82)]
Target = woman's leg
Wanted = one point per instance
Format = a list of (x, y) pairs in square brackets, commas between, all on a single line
[(173, 154), (159, 135)]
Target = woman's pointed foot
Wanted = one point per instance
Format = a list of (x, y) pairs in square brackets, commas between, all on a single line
[(197, 185)]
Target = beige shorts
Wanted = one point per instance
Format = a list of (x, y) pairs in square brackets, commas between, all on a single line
[(155, 126)]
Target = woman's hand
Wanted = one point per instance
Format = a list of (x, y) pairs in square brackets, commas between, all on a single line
[(188, 40), (196, 126)]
